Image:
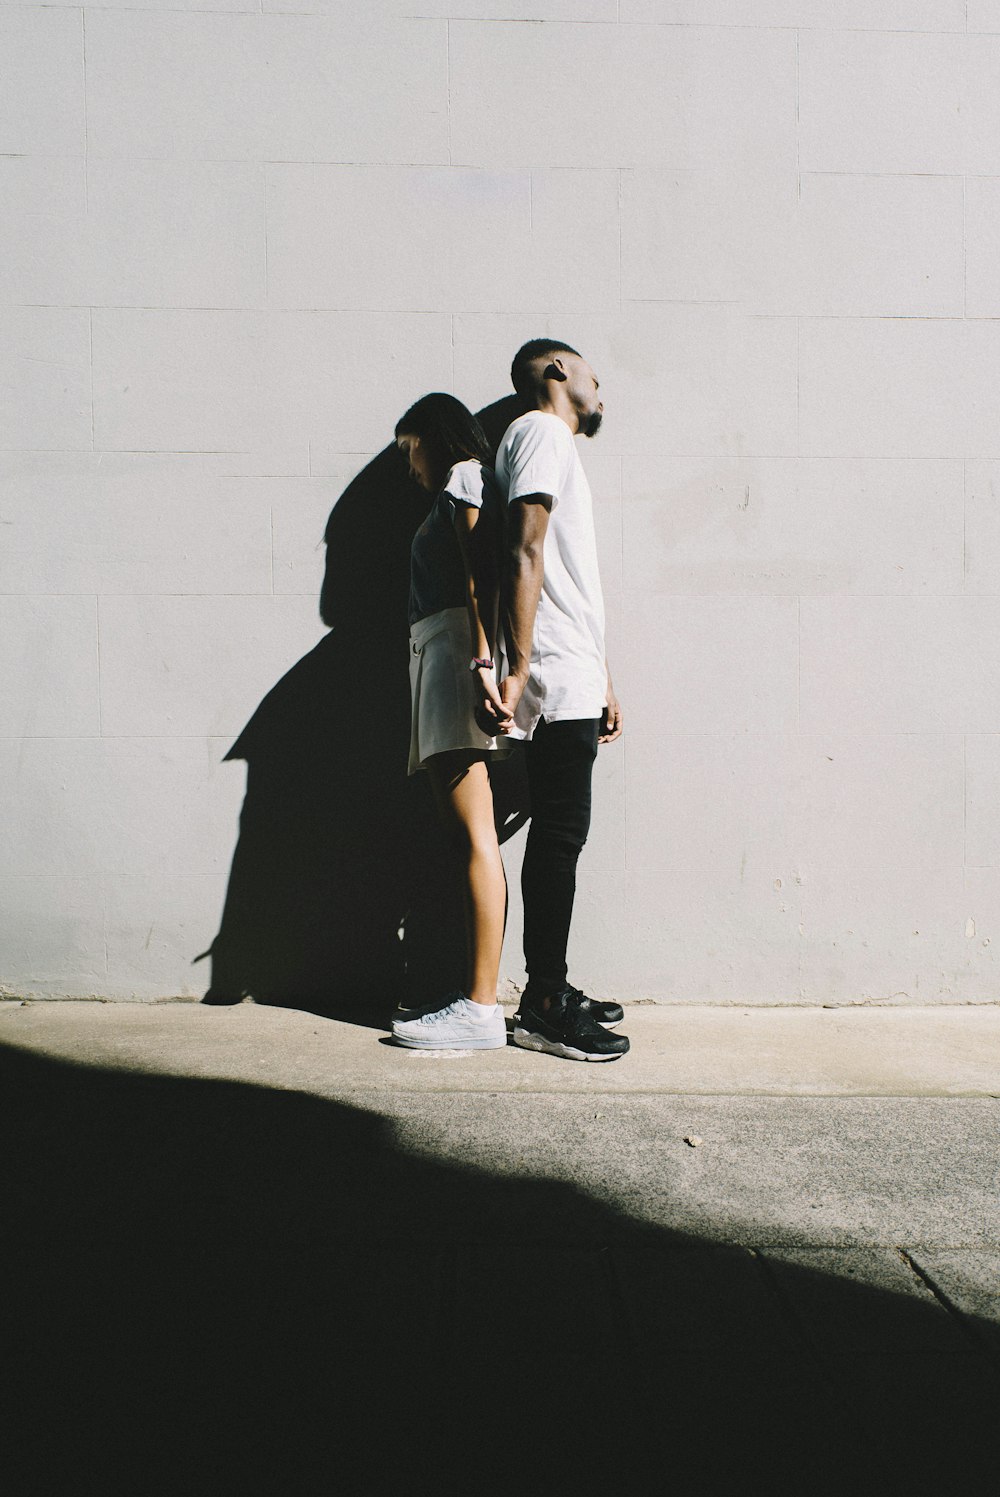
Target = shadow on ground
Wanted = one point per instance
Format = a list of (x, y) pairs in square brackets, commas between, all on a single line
[(215, 1288), (339, 851)]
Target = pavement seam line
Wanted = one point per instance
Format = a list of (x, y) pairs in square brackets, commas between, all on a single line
[(965, 1323)]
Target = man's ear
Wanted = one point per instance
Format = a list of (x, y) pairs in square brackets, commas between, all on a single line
[(555, 369)]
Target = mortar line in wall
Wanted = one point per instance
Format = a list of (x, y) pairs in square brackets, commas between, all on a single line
[(447, 74), (97, 641), (965, 251), (798, 385), (86, 127), (798, 664), (694, 457), (798, 133), (90, 340), (965, 511), (620, 282), (267, 287), (270, 532), (965, 800), (104, 907)]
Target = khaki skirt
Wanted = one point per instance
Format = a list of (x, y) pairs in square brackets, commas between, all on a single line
[(443, 691)]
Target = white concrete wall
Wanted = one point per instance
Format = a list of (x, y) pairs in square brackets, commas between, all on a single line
[(774, 228)]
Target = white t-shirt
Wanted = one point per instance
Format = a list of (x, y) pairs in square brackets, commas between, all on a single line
[(568, 676)]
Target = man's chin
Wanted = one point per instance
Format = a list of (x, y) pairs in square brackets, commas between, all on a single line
[(592, 425)]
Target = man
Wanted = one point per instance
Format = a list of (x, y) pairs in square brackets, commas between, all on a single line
[(557, 695)]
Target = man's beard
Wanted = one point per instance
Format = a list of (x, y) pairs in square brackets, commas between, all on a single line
[(592, 425)]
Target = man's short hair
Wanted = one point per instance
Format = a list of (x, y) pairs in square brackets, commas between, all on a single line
[(523, 377)]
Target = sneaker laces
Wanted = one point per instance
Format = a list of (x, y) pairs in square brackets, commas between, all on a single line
[(449, 1010)]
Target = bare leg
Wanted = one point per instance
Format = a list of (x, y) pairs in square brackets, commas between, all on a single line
[(462, 791)]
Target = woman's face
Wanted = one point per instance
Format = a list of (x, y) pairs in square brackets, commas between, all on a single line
[(415, 452)]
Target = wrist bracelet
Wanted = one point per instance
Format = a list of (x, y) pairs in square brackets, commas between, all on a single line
[(482, 664)]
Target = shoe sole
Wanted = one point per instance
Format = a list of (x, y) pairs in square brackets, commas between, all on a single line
[(530, 1041), (604, 1023), (485, 1043)]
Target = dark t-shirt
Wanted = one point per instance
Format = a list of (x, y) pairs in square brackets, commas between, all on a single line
[(437, 573)]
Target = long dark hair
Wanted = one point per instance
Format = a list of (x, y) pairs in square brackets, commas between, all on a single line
[(448, 428)]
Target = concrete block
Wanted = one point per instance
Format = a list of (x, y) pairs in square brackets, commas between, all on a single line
[(874, 805), (152, 234), (46, 376), (645, 103), (981, 105), (899, 938), (773, 807), (982, 799), (884, 102), (406, 238), (900, 665), (853, 15), (604, 476), (692, 937), (727, 664), (135, 106), (169, 806), (724, 804), (42, 108), (840, 246), (173, 667), (793, 525), (131, 523), (982, 246), (156, 927), (983, 15), (45, 207), (578, 211), (48, 663), (166, 234), (54, 812), (875, 246), (711, 234), (699, 381), (52, 936), (897, 387), (267, 87), (179, 381), (982, 527), (345, 378)]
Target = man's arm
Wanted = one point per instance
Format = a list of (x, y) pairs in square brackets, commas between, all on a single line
[(527, 523)]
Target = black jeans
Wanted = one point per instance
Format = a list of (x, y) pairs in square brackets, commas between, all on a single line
[(560, 762)]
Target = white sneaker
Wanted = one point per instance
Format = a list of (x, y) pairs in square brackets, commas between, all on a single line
[(456, 1026)]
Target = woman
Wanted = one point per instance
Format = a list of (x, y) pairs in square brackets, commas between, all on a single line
[(453, 623)]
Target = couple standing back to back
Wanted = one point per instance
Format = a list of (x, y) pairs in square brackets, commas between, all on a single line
[(508, 559)]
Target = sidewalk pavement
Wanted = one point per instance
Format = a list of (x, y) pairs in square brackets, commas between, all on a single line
[(762, 1249)]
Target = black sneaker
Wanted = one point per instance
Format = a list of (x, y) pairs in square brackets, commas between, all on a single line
[(565, 1028), (609, 1015)]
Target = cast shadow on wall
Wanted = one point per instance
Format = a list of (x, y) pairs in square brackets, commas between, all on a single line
[(342, 894)]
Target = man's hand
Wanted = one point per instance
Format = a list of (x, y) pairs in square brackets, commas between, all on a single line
[(613, 721), (492, 714), (511, 689)]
